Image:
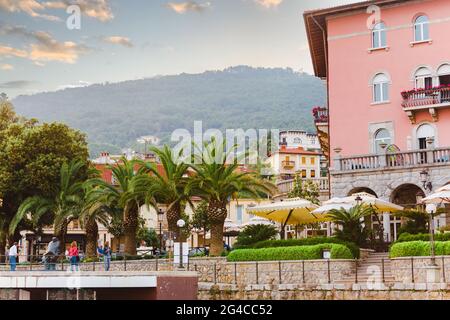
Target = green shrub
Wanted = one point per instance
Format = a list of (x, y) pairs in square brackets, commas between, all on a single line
[(255, 233), (418, 248), (406, 237), (338, 251), (306, 242)]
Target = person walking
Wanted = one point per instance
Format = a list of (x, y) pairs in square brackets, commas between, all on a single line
[(74, 256), (13, 256), (51, 256), (107, 256)]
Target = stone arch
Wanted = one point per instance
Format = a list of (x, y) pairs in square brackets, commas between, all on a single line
[(362, 189), (407, 195)]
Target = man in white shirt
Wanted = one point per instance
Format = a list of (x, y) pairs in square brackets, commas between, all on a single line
[(13, 256)]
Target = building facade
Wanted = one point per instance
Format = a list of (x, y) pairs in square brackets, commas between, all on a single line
[(387, 121)]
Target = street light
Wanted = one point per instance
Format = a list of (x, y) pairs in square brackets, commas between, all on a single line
[(431, 208), (180, 223), (160, 220), (358, 200)]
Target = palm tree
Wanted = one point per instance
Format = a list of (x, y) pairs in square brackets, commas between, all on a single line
[(106, 197), (217, 181), (93, 212), (351, 221), (168, 187), (63, 207)]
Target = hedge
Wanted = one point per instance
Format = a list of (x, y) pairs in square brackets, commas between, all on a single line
[(338, 251), (307, 241), (406, 237), (419, 248)]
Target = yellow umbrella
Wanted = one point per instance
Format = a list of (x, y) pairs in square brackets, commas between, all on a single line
[(290, 211)]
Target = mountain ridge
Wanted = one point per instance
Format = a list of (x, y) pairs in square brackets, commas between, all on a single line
[(114, 115)]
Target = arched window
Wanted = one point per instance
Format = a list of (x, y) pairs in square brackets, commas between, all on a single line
[(379, 35), (421, 28), (423, 78), (297, 140), (444, 74), (424, 132), (382, 136), (380, 85)]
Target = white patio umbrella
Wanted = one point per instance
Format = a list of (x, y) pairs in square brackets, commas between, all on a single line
[(229, 225), (257, 220), (363, 198), (442, 195)]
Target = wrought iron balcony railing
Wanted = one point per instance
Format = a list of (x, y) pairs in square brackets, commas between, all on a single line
[(320, 115)]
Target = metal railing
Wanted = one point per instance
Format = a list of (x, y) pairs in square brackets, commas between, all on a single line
[(426, 97), (212, 270)]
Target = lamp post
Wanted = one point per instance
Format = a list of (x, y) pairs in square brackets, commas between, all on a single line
[(180, 223), (160, 220), (358, 200), (431, 208), (424, 176)]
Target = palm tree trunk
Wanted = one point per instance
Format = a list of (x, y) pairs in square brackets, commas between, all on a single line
[(173, 215), (2, 246), (61, 235), (217, 211), (130, 224), (91, 237)]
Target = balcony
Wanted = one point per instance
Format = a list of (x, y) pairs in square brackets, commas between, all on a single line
[(425, 99), (320, 115), (288, 165), (284, 186), (393, 160)]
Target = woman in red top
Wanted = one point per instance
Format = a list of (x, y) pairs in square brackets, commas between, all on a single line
[(74, 256)]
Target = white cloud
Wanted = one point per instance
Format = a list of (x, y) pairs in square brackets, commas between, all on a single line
[(183, 7), (6, 67), (269, 3), (79, 84), (43, 47), (31, 7), (97, 9), (123, 41)]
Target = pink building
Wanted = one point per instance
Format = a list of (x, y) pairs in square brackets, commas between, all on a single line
[(386, 129)]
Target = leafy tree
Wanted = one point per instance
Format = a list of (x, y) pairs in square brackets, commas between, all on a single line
[(255, 233), (351, 221), (126, 196), (200, 219), (63, 207), (148, 235), (30, 163), (305, 189), (217, 181)]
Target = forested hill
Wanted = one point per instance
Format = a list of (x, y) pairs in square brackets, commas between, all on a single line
[(115, 114)]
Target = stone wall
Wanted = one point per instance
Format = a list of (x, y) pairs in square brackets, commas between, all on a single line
[(320, 292), (385, 182), (218, 270), (406, 269)]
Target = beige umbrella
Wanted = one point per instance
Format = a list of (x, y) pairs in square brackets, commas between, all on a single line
[(442, 195), (290, 211), (363, 198)]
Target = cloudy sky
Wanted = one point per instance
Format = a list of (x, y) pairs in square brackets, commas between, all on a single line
[(131, 39)]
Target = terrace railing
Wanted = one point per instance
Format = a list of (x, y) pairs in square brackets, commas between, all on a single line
[(400, 159), (426, 97), (320, 115), (284, 186)]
